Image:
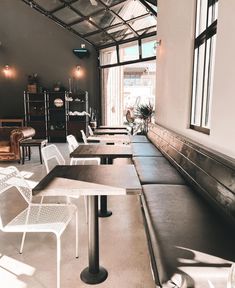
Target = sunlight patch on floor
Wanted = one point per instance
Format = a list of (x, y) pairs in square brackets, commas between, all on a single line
[(11, 269)]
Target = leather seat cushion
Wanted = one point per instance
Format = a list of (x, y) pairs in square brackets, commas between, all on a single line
[(188, 237), (145, 150), (156, 170)]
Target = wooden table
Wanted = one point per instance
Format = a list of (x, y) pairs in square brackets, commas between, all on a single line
[(91, 180), (107, 153), (110, 131)]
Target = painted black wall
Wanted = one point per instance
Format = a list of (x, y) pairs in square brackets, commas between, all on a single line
[(32, 43)]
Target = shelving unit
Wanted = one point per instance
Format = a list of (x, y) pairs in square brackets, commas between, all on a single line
[(54, 115), (57, 120), (76, 118), (35, 107)]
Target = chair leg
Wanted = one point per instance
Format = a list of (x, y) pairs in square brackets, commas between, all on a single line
[(76, 215), (22, 243), (86, 210), (58, 259)]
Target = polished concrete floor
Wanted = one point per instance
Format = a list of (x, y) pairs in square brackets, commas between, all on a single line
[(123, 246)]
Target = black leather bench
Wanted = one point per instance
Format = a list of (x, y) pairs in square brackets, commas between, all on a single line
[(189, 210), (145, 150), (156, 170), (191, 243)]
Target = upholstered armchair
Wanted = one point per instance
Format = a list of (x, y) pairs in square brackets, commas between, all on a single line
[(10, 138)]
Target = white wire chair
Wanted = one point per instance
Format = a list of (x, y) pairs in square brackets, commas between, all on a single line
[(52, 218), (90, 130), (84, 138), (72, 142), (52, 156)]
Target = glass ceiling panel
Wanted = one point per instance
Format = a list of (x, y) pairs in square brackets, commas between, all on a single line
[(49, 5), (100, 39), (86, 8), (67, 15), (119, 33), (105, 19), (112, 2), (84, 27), (143, 23), (130, 9)]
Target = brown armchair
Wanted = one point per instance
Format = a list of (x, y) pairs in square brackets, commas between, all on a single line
[(10, 138)]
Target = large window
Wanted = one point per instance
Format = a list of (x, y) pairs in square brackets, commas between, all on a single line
[(204, 58)]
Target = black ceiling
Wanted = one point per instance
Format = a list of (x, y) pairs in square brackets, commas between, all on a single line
[(102, 23)]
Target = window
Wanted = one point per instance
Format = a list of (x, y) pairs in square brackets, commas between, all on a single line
[(204, 58)]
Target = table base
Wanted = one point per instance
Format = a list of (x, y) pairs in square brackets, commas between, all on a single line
[(103, 212), (94, 278)]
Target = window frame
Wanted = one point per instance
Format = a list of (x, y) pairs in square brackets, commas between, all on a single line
[(205, 38)]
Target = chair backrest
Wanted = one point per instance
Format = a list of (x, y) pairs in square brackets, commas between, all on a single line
[(10, 178), (90, 130), (51, 154), (73, 143), (84, 137)]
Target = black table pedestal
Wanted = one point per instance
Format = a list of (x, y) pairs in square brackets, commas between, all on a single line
[(103, 212), (94, 273)]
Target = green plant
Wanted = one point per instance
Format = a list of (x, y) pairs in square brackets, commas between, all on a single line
[(144, 111)]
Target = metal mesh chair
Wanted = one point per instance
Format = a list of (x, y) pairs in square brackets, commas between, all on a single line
[(72, 142), (84, 137), (90, 130), (52, 156), (52, 218)]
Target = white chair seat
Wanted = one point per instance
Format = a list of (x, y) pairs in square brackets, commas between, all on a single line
[(42, 218)]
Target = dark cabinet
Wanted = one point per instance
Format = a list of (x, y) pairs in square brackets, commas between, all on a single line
[(57, 121), (35, 107), (54, 115)]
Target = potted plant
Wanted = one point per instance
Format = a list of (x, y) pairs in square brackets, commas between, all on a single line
[(144, 112)]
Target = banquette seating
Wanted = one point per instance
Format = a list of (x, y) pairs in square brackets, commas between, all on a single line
[(10, 138), (188, 205)]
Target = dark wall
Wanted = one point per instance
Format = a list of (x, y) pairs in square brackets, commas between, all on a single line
[(32, 43)]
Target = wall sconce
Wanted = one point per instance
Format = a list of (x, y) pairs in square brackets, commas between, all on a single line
[(7, 71), (159, 42)]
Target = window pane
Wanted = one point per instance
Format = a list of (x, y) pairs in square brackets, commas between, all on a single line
[(86, 8), (212, 12), (207, 103), (84, 27), (108, 56), (129, 51), (199, 86), (148, 47), (201, 16)]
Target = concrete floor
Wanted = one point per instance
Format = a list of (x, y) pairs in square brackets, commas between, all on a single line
[(123, 246)]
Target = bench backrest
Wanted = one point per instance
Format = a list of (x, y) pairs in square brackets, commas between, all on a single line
[(207, 171)]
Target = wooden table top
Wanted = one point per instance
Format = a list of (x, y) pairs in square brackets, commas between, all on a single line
[(76, 180), (110, 131), (111, 151)]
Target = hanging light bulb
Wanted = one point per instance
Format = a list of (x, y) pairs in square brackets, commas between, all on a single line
[(7, 71)]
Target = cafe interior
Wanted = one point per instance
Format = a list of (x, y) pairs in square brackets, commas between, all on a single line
[(117, 144)]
